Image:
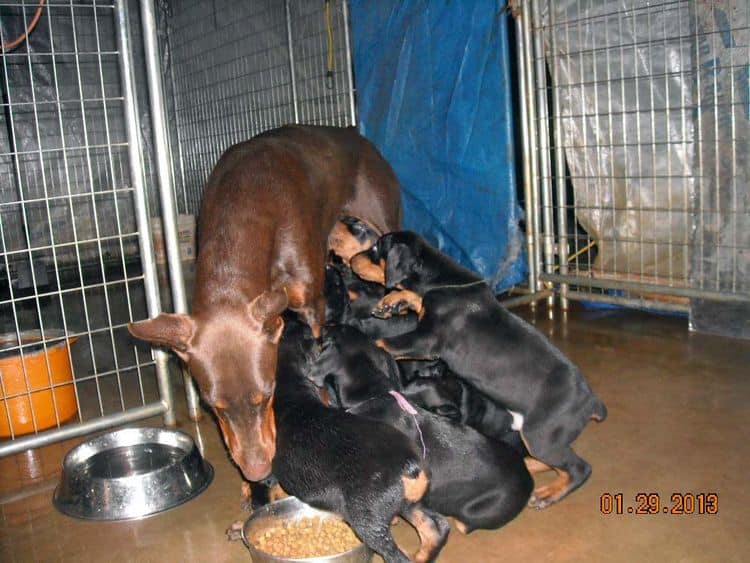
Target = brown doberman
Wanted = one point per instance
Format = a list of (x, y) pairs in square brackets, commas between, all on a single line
[(271, 212)]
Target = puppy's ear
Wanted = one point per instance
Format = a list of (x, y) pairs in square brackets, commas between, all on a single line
[(337, 299), (170, 330), (398, 265)]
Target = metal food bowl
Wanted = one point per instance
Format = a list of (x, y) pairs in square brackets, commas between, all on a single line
[(290, 509), (131, 473)]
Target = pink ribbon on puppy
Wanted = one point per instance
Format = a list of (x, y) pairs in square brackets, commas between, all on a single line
[(407, 407)]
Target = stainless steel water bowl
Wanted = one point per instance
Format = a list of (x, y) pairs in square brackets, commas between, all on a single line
[(290, 509), (131, 473)]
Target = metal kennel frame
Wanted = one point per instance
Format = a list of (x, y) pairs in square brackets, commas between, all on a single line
[(77, 255), (77, 249), (238, 69), (635, 150)]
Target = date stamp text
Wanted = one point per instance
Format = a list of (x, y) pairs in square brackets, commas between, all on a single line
[(679, 504)]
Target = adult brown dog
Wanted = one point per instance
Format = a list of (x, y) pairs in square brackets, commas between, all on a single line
[(272, 210)]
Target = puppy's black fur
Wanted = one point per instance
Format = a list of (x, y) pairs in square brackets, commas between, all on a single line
[(416, 369), (350, 301), (515, 366), (365, 471), (411, 263), (483, 484), (438, 390)]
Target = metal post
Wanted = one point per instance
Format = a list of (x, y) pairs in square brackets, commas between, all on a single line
[(528, 204), (562, 196), (177, 129), (164, 176), (525, 299), (151, 286), (544, 157), (290, 48), (11, 447), (532, 130), (349, 72), (642, 287)]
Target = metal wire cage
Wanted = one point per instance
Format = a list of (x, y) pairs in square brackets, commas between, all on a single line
[(74, 269), (238, 69), (637, 127), (77, 259)]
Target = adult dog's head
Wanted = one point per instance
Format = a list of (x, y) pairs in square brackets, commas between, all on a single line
[(232, 355)]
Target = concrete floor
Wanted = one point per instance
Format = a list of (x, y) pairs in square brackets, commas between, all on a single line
[(677, 416)]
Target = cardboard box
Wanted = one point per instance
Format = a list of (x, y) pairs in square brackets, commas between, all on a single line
[(185, 237)]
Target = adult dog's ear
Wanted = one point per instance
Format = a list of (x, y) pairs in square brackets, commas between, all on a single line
[(266, 309), (268, 304), (168, 329)]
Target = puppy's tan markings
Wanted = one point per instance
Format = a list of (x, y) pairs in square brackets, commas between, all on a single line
[(536, 466), (246, 496), (276, 493), (344, 244), (429, 536), (554, 491), (365, 269), (394, 301), (415, 487)]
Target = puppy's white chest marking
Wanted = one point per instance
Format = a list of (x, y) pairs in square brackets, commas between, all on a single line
[(517, 420)]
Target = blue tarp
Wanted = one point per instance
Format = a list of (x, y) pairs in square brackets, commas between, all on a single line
[(434, 95)]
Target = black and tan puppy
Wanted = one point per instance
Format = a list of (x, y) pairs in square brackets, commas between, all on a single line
[(481, 483), (405, 260), (501, 355), (432, 386), (350, 301), (367, 472)]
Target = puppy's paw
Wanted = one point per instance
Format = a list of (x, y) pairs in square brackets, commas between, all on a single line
[(380, 312), (246, 496), (540, 502), (398, 303), (387, 310), (276, 493), (395, 303), (234, 532)]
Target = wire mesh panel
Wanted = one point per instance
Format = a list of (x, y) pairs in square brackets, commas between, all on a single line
[(618, 90), (322, 63), (231, 77), (70, 269)]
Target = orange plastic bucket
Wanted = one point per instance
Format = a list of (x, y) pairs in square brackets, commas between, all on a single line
[(16, 410)]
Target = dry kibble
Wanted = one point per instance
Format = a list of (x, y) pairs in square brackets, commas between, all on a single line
[(306, 537)]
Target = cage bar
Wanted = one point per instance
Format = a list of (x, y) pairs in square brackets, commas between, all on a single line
[(74, 269), (636, 116)]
